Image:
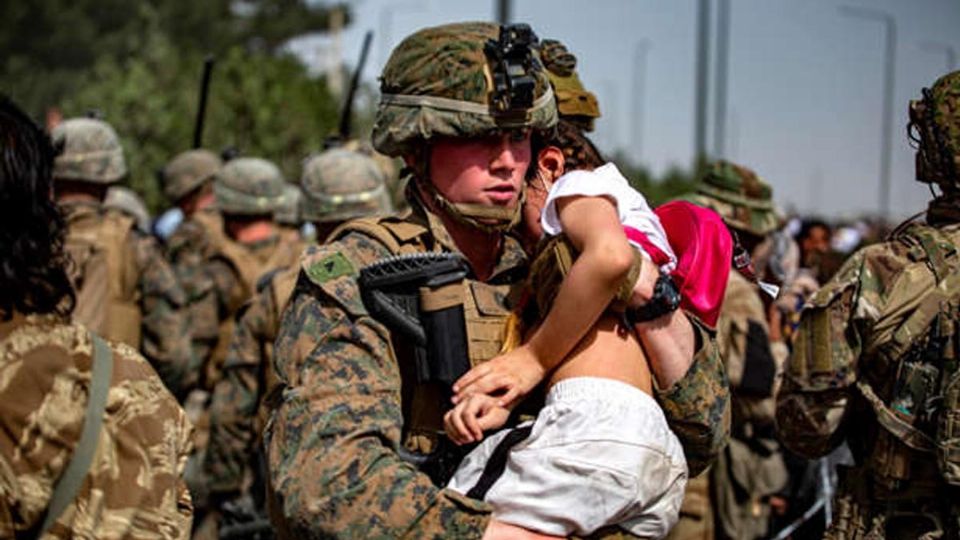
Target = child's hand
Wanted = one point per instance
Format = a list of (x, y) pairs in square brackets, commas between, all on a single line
[(467, 421), (514, 374)]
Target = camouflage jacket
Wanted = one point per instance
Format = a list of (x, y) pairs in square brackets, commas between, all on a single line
[(189, 249), (332, 442), (134, 487), (842, 328), (165, 338), (236, 412), (842, 325)]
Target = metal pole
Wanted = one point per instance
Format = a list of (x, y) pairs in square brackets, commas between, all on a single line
[(639, 94), (720, 95), (939, 46), (702, 74), (503, 11), (889, 77)]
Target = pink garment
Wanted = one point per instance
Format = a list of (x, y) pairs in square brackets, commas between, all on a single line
[(704, 249)]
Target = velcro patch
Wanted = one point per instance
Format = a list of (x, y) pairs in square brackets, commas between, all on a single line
[(331, 267)]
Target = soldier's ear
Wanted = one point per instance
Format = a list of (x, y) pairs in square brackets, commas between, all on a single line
[(550, 161)]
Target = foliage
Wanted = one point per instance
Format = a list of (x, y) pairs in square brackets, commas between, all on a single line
[(672, 184), (138, 64)]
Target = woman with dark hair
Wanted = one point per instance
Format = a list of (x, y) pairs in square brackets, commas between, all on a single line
[(91, 443)]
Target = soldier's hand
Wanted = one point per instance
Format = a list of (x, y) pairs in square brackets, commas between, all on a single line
[(509, 377), (467, 421)]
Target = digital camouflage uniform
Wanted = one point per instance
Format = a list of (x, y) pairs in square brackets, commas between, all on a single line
[(875, 359), (751, 468), (134, 487), (336, 185), (192, 245), (350, 401), (244, 187), (126, 291)]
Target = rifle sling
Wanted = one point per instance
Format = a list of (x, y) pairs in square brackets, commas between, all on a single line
[(68, 485)]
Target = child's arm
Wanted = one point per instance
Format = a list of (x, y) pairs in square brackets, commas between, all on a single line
[(593, 226)]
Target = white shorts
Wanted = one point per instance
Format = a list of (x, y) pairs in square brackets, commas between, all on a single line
[(600, 453)]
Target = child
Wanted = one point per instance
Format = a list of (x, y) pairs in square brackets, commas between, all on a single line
[(600, 451)]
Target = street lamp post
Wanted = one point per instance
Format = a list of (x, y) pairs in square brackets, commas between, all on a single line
[(639, 93), (886, 135), (701, 82), (723, 68)]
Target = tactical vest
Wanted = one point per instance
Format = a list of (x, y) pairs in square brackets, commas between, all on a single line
[(105, 276), (912, 381), (484, 314)]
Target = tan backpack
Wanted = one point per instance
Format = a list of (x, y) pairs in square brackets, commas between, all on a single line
[(105, 277)]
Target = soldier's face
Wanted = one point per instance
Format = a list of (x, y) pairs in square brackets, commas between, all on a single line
[(486, 170)]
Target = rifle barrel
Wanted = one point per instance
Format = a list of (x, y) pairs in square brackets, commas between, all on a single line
[(202, 102)]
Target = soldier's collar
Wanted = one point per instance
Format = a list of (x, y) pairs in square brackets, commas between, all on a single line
[(511, 261)]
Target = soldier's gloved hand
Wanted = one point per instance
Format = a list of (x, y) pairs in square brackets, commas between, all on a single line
[(509, 377), (466, 422)]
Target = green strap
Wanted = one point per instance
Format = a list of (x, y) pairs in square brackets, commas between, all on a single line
[(909, 435), (72, 478)]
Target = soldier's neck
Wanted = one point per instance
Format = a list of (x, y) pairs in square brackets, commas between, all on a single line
[(480, 248), (249, 232)]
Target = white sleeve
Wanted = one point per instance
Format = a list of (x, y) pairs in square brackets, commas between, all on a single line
[(605, 181)]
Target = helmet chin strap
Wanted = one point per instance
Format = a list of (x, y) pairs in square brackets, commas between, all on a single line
[(487, 218)]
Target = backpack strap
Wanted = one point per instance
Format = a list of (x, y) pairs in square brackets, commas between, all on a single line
[(68, 485)]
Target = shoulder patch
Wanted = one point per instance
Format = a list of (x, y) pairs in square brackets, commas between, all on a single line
[(330, 267)]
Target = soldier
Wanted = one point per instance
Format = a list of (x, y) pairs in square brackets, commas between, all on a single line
[(91, 444), (337, 185), (247, 192), (458, 104), (188, 182), (126, 291), (750, 471), (874, 361)]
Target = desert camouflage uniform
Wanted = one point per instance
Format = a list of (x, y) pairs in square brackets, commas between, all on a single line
[(336, 185), (134, 488), (151, 292), (875, 359), (732, 500)]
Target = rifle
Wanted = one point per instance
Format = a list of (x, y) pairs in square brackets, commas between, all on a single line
[(346, 114), (420, 296), (202, 104)]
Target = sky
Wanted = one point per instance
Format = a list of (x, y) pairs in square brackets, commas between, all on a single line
[(805, 91)]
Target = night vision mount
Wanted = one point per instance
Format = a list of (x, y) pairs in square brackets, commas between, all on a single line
[(514, 63)]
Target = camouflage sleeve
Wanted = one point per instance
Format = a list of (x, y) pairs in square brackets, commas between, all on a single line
[(236, 397), (166, 335), (332, 442), (698, 405), (822, 370)]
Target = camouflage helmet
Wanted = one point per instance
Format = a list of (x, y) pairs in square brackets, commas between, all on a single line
[(249, 186), (188, 171), (341, 184), (574, 102), (741, 198), (461, 80), (91, 152), (288, 212), (129, 202), (936, 121)]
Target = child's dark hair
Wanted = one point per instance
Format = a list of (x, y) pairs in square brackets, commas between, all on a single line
[(579, 152), (33, 276)]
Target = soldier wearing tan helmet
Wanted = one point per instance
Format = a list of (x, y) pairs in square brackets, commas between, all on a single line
[(126, 291), (335, 186), (875, 357), (458, 105)]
